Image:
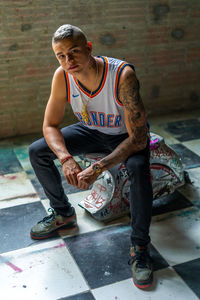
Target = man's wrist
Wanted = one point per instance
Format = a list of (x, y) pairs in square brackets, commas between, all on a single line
[(98, 167), (66, 158)]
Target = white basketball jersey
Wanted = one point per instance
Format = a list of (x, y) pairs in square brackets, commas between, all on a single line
[(105, 111)]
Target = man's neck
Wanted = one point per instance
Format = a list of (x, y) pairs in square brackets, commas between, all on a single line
[(91, 75)]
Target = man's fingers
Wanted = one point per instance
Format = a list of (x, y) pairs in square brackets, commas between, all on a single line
[(70, 170), (68, 179), (72, 179), (83, 186)]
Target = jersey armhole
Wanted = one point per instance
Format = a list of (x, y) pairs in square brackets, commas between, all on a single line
[(67, 86), (119, 71)]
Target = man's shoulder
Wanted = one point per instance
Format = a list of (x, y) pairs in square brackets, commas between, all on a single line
[(58, 74), (58, 71), (114, 60), (117, 64), (128, 78), (59, 79)]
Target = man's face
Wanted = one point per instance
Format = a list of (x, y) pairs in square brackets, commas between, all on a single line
[(72, 54)]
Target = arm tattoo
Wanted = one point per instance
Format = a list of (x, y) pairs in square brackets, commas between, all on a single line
[(129, 89), (135, 122), (133, 106)]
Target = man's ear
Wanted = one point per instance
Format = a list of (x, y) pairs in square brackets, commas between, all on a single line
[(89, 44)]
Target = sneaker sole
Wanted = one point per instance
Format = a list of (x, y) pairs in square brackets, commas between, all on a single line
[(52, 233), (145, 284)]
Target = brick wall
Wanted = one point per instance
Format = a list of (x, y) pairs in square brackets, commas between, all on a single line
[(161, 38)]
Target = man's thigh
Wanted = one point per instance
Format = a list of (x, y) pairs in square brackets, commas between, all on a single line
[(81, 140)]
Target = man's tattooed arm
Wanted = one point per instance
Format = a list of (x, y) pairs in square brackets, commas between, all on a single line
[(135, 119)]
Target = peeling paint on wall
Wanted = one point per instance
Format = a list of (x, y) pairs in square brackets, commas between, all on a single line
[(178, 33), (107, 39), (160, 10)]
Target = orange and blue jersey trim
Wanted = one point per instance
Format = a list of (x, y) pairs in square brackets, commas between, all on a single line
[(67, 86), (119, 71), (101, 85)]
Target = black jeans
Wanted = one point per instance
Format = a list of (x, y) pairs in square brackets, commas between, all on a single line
[(81, 140)]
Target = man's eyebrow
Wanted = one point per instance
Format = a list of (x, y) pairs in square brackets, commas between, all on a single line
[(59, 53), (74, 47), (69, 49)]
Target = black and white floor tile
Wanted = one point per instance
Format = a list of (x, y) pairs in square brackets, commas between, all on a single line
[(91, 261)]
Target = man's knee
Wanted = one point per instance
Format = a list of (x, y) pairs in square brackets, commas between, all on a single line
[(136, 165), (33, 151), (38, 149)]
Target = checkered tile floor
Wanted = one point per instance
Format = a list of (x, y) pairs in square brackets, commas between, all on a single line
[(91, 261)]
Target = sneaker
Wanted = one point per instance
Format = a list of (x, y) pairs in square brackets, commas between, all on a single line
[(142, 268), (48, 226)]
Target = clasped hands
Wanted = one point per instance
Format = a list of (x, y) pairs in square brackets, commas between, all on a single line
[(77, 177)]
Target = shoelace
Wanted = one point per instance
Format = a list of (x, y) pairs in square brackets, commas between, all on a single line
[(49, 218), (141, 257)]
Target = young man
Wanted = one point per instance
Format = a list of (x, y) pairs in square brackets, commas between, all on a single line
[(104, 95)]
